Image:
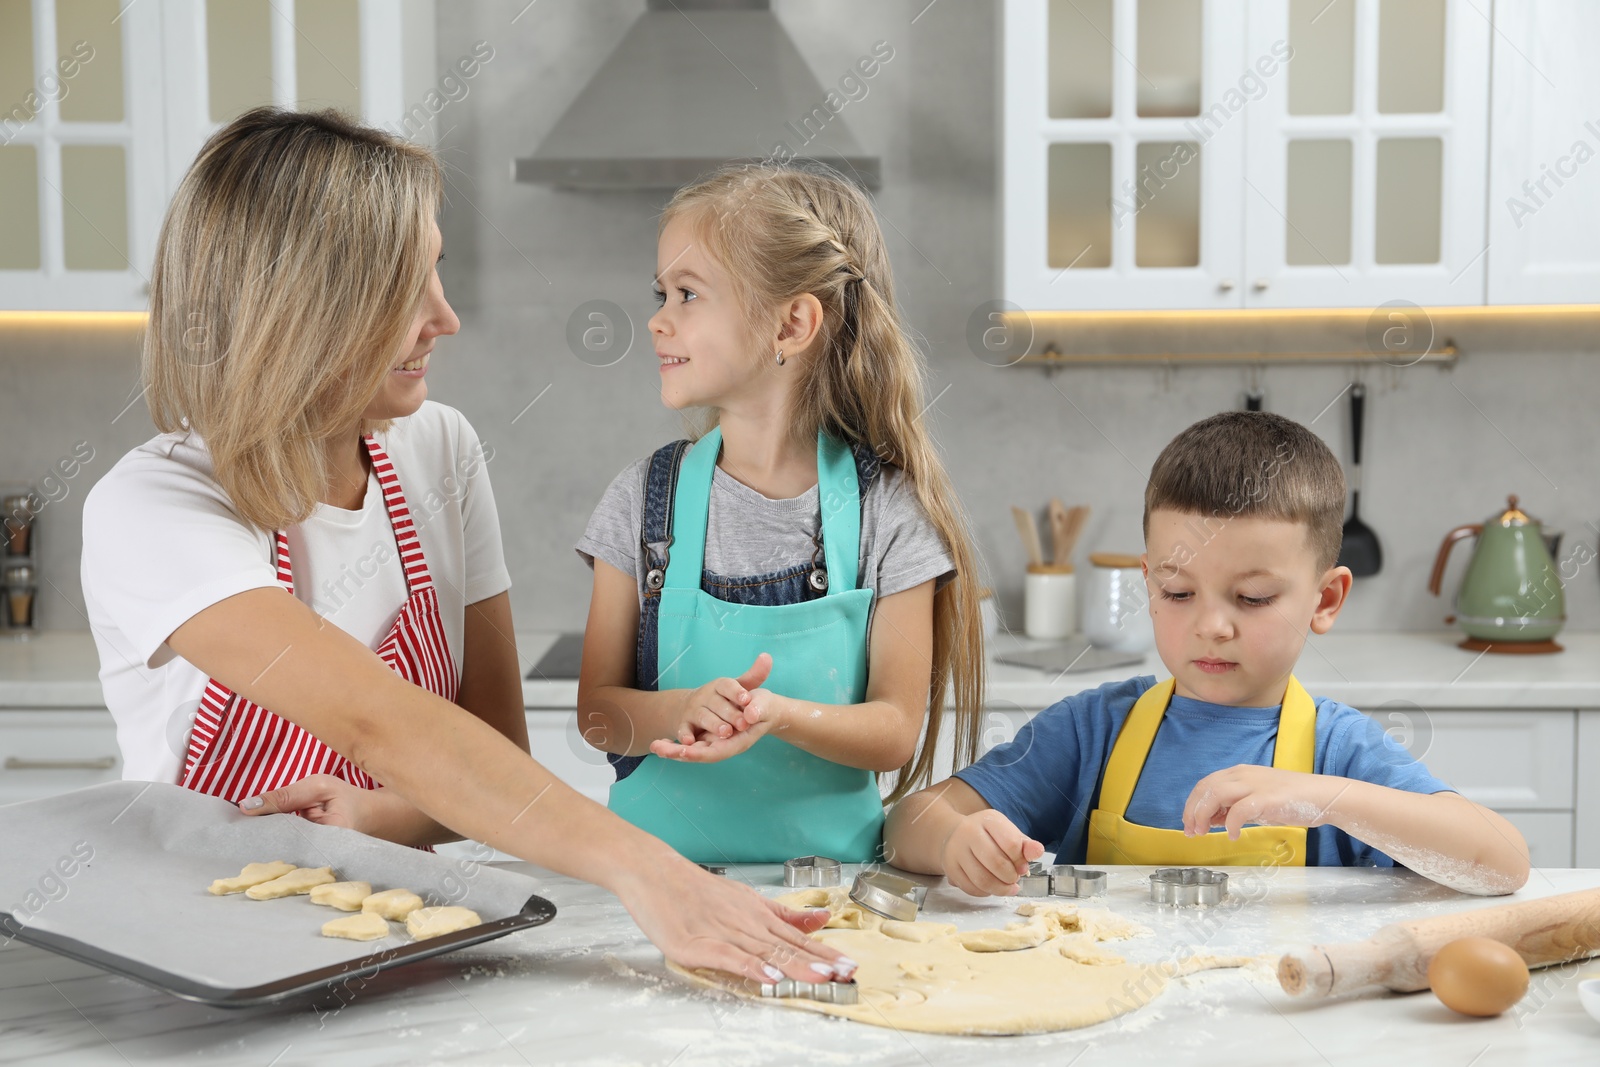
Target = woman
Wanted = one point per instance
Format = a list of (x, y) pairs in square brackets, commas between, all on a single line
[(308, 536)]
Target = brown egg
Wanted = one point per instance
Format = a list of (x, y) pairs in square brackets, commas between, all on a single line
[(1478, 976)]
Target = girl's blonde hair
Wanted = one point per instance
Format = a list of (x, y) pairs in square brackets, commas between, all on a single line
[(287, 276), (780, 231)]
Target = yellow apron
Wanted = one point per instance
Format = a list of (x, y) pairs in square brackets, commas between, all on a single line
[(1112, 839)]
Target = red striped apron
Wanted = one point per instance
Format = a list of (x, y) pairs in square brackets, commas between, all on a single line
[(239, 749)]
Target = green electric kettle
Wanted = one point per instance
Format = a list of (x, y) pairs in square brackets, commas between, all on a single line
[(1511, 598)]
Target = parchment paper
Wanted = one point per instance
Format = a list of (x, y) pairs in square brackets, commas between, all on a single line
[(125, 866)]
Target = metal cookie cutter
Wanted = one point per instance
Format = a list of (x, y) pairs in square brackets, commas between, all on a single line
[(827, 992), (888, 895), (1188, 886), (1062, 880), (812, 871), (712, 868)]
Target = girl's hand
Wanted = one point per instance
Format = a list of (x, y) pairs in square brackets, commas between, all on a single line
[(708, 749), (1266, 796), (324, 799), (700, 920), (985, 854), (717, 709)]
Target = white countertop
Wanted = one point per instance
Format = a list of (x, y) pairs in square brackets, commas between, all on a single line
[(587, 988), (1366, 670)]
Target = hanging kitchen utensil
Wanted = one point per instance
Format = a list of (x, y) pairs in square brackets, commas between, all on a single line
[(1511, 598), (1061, 548), (1360, 551), (1254, 399)]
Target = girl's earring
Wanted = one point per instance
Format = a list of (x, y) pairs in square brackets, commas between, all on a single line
[(780, 357)]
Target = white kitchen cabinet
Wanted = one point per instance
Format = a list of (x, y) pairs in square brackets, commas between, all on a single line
[(86, 175), (1212, 154), (1549, 836), (47, 753), (1544, 165)]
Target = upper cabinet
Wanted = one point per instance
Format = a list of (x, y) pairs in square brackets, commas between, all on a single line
[(1216, 154), (116, 99), (1544, 181)]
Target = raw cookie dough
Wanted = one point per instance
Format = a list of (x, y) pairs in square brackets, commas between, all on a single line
[(1036, 976), (431, 922), (362, 926), (300, 880), (393, 904), (346, 896), (253, 874)]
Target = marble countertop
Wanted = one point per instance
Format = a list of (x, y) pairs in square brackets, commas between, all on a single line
[(1367, 670), (588, 989)]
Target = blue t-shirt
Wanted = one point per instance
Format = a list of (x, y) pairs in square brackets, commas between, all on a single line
[(1047, 780)]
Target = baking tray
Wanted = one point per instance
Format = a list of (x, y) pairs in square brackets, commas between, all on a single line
[(1074, 657), (115, 876)]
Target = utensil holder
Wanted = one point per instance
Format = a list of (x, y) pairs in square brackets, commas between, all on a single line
[(1050, 601)]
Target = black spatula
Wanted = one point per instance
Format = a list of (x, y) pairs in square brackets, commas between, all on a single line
[(1360, 552)]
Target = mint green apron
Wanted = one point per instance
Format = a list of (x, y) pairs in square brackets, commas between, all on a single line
[(772, 802)]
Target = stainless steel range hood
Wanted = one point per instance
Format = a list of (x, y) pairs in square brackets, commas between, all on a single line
[(695, 84)]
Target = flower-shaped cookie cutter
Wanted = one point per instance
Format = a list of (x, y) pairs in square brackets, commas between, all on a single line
[(888, 895), (1062, 880), (1188, 886), (812, 871)]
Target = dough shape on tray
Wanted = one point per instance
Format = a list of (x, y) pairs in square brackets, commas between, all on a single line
[(362, 926), (393, 904), (346, 896), (299, 881), (1036, 976), (253, 874), (433, 922)]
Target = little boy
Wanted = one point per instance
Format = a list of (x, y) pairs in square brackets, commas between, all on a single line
[(1242, 522)]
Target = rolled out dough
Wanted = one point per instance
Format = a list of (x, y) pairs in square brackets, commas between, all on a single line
[(1042, 974), (253, 874), (300, 880)]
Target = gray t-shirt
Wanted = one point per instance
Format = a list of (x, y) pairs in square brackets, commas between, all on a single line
[(749, 534)]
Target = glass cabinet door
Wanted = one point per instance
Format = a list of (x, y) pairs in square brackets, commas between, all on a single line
[(1365, 176), (1117, 137)]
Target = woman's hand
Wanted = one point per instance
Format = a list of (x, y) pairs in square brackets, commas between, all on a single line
[(701, 920), (717, 709), (322, 798)]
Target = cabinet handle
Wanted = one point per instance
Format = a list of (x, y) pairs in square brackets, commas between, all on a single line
[(1226, 285), (1260, 284), (103, 763)]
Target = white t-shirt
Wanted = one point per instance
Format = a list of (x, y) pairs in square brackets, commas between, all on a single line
[(161, 542)]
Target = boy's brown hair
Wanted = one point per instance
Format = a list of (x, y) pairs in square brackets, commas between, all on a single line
[(1253, 463)]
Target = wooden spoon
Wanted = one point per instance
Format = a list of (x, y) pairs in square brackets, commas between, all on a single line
[(1030, 536)]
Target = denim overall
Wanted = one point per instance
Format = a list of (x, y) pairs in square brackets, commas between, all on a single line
[(774, 801)]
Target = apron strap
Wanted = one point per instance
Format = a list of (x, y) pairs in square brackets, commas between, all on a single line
[(405, 534), (1295, 749), (838, 495)]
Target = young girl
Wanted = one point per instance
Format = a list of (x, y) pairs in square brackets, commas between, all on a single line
[(778, 608)]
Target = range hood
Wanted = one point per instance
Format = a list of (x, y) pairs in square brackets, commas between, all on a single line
[(693, 85)]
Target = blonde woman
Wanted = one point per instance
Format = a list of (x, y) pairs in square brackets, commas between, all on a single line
[(310, 550)]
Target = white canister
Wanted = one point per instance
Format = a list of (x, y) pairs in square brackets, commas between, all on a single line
[(1050, 602), (989, 611), (1116, 609)]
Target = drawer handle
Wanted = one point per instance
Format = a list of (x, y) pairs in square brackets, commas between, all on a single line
[(103, 763)]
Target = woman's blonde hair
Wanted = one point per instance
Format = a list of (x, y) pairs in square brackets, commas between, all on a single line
[(780, 231), (287, 276)]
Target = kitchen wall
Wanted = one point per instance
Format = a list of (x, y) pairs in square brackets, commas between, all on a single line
[(1444, 446)]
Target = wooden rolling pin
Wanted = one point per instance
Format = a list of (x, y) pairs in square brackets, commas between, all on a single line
[(1552, 930)]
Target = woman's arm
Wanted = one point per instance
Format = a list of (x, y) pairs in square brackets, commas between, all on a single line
[(491, 688), (460, 771), (878, 735)]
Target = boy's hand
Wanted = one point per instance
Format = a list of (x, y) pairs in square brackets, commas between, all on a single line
[(1266, 796), (717, 709), (986, 854)]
